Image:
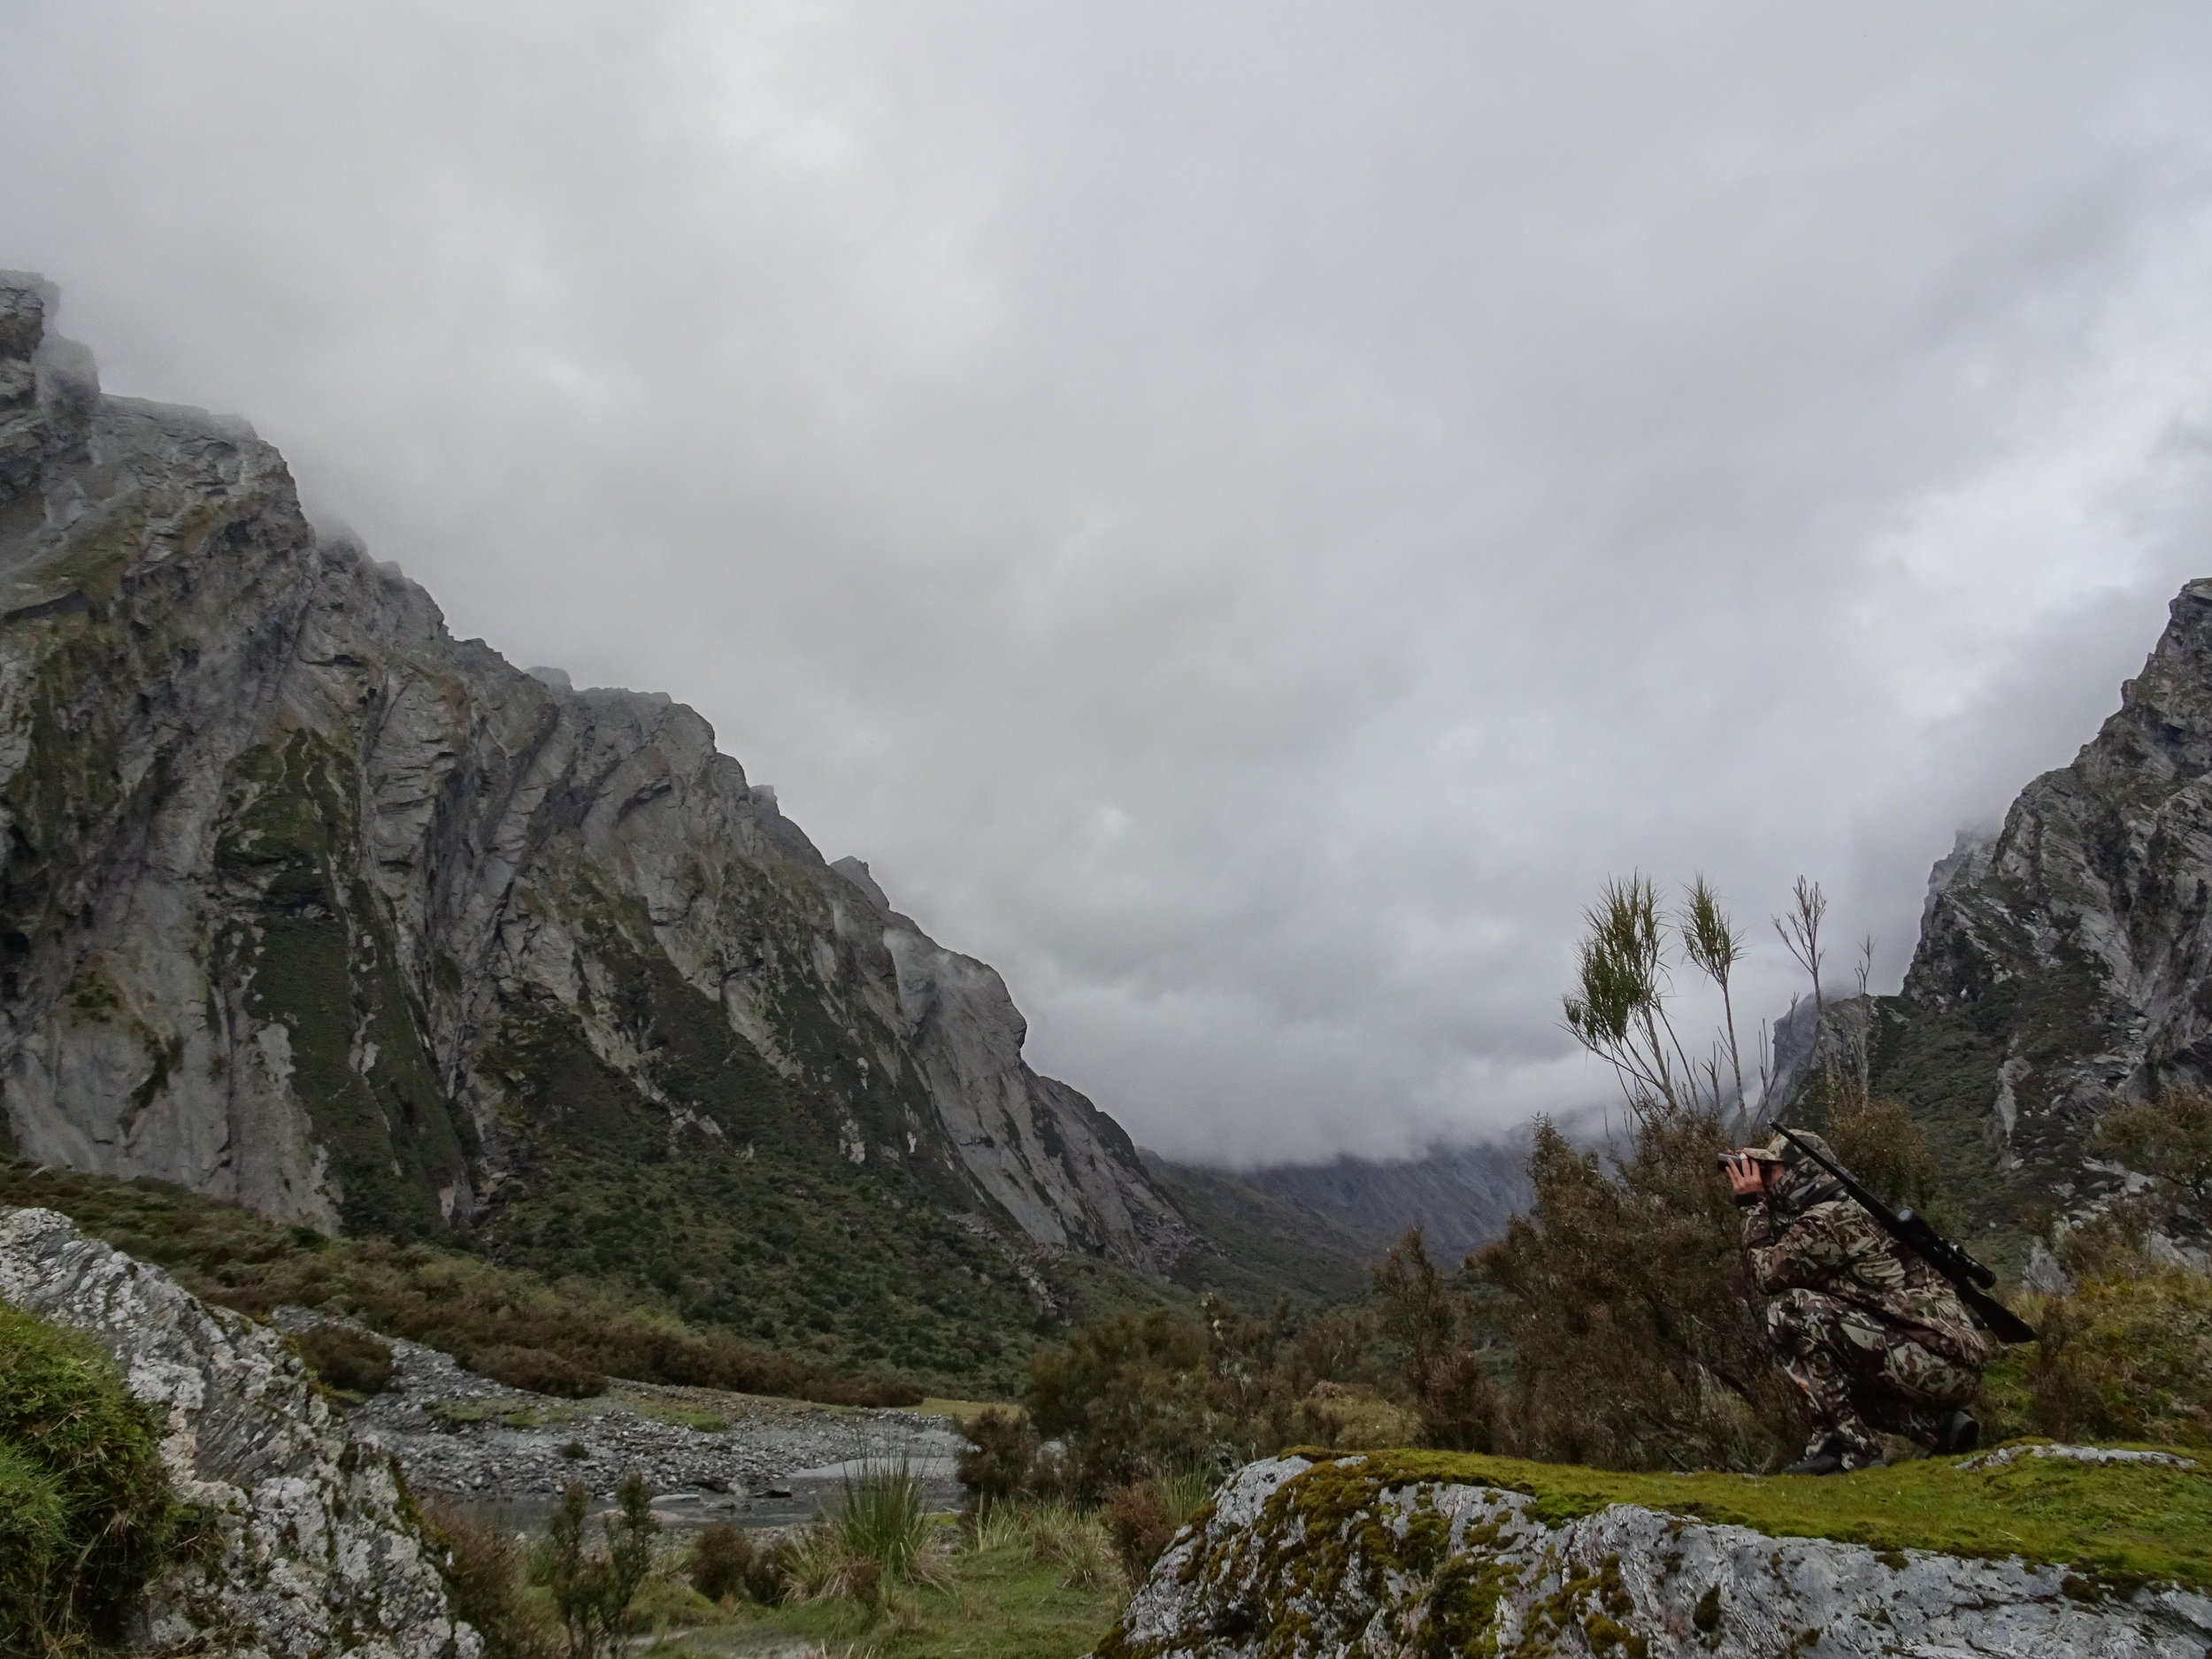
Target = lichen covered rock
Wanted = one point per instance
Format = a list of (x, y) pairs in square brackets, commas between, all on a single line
[(301, 1545), (1392, 1554)]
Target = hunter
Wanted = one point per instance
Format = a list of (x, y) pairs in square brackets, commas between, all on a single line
[(1874, 1335)]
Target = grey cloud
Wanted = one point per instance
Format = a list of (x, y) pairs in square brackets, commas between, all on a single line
[(1243, 515)]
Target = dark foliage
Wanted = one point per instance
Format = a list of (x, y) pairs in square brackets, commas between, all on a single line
[(1636, 1336), (999, 1460), (539, 1371), (1136, 1519), (592, 1588), (486, 1575), (350, 1361)]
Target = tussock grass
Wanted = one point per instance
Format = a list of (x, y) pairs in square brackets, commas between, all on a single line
[(85, 1505)]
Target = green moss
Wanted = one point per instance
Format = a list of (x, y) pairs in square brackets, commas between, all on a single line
[(2121, 1523)]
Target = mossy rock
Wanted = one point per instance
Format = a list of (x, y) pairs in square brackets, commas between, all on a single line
[(2121, 1523)]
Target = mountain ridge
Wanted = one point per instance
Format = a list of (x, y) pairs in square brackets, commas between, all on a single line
[(307, 904)]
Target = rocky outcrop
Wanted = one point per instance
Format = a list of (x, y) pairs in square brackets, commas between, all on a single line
[(1296, 1559), (309, 905), (2066, 961), (305, 1549)]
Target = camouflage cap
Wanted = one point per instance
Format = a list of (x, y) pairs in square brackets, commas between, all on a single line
[(1790, 1148)]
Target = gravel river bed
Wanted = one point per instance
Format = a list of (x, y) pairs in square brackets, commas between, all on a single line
[(506, 1456)]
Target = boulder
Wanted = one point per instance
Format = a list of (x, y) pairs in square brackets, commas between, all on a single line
[(304, 1546)]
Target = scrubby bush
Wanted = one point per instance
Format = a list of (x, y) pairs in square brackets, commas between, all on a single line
[(1137, 1520), (999, 1460), (350, 1361), (85, 1505), (2124, 1354), (722, 1561), (592, 1589), (537, 1371), (1130, 1393), (486, 1575)]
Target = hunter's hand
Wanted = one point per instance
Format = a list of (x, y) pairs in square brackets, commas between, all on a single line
[(1746, 1179)]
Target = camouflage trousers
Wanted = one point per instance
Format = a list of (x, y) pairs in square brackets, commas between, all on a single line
[(1861, 1374)]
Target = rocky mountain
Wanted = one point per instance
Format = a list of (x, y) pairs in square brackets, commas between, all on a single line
[(2067, 962), (1322, 1224), (308, 904)]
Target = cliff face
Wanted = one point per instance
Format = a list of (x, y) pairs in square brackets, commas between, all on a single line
[(308, 904), (2069, 961)]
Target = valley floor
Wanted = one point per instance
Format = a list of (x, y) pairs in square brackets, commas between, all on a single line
[(503, 1455)]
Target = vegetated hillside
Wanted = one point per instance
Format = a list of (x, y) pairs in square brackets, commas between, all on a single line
[(2068, 961), (1306, 1216), (1263, 1244), (307, 904)]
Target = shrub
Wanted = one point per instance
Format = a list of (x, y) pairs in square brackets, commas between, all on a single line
[(575, 1451), (1130, 1394), (1137, 1520), (592, 1590), (722, 1561), (87, 1504), (536, 1371), (351, 1362), (2127, 1357), (485, 1574), (1000, 1459)]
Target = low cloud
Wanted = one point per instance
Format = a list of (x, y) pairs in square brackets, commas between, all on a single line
[(1244, 516)]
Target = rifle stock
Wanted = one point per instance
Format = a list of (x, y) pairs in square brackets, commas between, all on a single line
[(1969, 1278)]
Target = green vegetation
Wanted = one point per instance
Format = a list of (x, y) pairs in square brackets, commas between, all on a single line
[(2126, 1357), (444, 1297), (875, 1545), (592, 1589), (345, 1360), (1036, 1585), (85, 1507)]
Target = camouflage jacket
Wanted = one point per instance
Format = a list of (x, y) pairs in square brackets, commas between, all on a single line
[(1835, 1247)]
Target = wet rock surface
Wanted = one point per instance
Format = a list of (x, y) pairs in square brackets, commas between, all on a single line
[(1494, 1578), (708, 1456)]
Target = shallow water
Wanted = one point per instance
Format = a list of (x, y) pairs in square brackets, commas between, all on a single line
[(791, 1501)]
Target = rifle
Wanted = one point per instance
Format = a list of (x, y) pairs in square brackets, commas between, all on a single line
[(1968, 1276)]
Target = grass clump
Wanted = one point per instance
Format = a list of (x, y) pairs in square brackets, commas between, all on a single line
[(876, 1543), (993, 1599), (85, 1505)]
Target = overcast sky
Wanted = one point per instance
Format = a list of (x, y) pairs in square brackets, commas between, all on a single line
[(1244, 514)]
